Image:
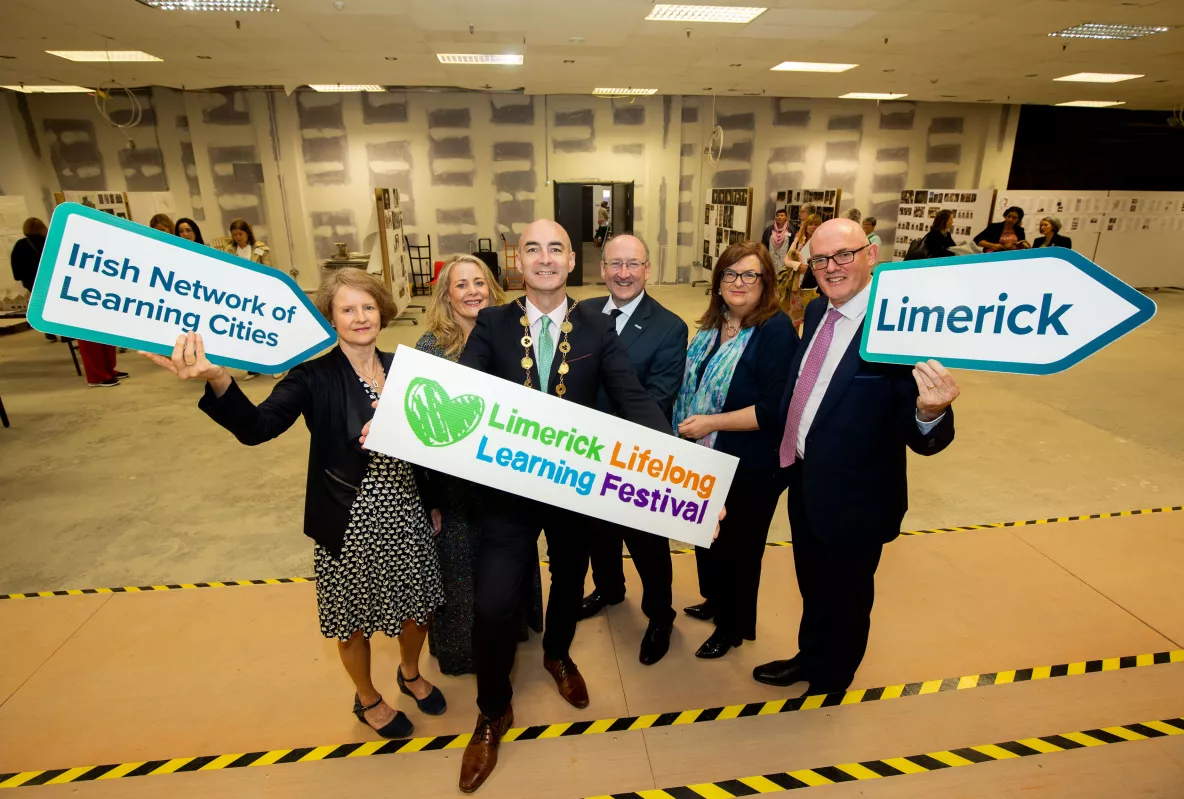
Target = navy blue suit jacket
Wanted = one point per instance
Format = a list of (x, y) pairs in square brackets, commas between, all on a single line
[(656, 340), (854, 484)]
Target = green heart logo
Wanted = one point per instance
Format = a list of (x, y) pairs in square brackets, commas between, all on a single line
[(436, 419)]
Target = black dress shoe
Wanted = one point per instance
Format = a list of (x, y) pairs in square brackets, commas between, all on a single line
[(655, 644), (780, 672), (704, 611), (594, 603), (718, 645)]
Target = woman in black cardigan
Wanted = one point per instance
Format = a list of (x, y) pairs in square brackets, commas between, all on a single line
[(375, 559), (1005, 235), (938, 241), (1050, 234), (737, 367)]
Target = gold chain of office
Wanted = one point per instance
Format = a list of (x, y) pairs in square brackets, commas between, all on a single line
[(564, 346)]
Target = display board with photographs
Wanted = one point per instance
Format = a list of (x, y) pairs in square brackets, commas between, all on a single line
[(391, 247), (919, 207), (1096, 211), (110, 202), (727, 220), (826, 202)]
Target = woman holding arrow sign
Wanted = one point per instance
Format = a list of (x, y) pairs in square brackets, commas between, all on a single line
[(374, 553)]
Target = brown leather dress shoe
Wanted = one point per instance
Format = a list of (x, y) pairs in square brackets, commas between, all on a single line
[(570, 681), (481, 753)]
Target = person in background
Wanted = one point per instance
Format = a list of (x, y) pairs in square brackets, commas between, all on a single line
[(798, 284), (806, 211), (1005, 235), (188, 230), (737, 367), (869, 227), (855, 215), (375, 560), (846, 426), (244, 245), (463, 287), (938, 241), (162, 223), (656, 341), (26, 256), (778, 237), (1050, 234), (603, 215)]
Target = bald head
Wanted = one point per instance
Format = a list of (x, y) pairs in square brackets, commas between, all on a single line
[(545, 257), (841, 282), (544, 232), (842, 233), (625, 247)]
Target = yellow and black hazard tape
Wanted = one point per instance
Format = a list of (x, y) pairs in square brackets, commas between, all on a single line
[(281, 580), (141, 589), (912, 764), (572, 728)]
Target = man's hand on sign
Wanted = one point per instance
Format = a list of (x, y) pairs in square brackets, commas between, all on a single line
[(189, 362), (437, 521), (696, 427), (366, 429), (936, 389)]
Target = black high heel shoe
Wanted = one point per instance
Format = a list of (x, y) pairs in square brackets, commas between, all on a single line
[(718, 644), (433, 704), (398, 727)]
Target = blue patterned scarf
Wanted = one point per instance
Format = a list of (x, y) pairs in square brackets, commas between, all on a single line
[(708, 398)]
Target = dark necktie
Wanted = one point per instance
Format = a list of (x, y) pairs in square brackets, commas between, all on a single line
[(615, 313)]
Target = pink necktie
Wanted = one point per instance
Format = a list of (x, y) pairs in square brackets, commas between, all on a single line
[(805, 385)]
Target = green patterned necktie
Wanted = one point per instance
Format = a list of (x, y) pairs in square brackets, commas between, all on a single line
[(546, 354)]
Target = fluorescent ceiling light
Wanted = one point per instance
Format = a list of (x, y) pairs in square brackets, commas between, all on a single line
[(212, 5), (625, 91), (811, 66), (676, 13), (56, 88), (346, 87), (1098, 30), (1094, 103), (1097, 77), (104, 55), (871, 96), (479, 58)]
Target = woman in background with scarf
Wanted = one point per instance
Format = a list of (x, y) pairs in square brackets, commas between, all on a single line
[(737, 368)]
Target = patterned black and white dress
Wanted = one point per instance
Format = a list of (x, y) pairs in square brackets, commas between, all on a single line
[(388, 570)]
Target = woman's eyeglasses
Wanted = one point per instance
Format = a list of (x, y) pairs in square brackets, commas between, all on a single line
[(747, 278)]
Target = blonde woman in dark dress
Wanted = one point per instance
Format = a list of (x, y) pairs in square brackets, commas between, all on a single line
[(463, 287)]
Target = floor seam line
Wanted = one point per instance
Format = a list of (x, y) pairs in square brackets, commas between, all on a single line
[(57, 649), (1098, 591)]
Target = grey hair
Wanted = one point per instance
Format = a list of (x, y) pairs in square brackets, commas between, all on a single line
[(855, 215), (644, 246), (1052, 220)]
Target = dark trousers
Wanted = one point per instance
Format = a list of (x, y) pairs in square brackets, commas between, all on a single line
[(651, 556), (510, 530), (98, 360), (730, 572), (837, 583)]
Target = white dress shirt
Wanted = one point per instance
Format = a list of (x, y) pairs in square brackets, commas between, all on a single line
[(849, 324), (535, 317), (626, 310)]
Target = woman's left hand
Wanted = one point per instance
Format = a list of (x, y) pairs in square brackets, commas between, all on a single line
[(437, 521), (696, 427)]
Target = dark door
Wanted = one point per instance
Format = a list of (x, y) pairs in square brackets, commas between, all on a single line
[(572, 201), (622, 208)]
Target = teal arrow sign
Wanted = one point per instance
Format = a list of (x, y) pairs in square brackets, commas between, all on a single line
[(1030, 312), (113, 281)]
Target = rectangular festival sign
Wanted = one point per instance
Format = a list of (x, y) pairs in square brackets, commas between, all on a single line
[(496, 433), (1029, 311), (114, 281)]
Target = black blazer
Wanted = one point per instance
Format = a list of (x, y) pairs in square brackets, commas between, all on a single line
[(854, 486), (326, 392), (759, 380), (597, 359), (993, 231), (1057, 241), (938, 244), (25, 258), (656, 340)]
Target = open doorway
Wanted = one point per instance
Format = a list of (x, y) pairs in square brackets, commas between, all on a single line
[(580, 210)]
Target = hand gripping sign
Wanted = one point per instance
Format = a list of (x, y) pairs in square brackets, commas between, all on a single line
[(112, 281), (1031, 312), (496, 433)]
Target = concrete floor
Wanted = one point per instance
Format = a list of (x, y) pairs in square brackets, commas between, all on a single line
[(133, 485)]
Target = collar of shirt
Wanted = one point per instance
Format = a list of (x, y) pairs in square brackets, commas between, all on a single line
[(626, 309), (533, 315), (855, 308)]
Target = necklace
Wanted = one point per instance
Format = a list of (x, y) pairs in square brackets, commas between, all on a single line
[(371, 379), (564, 347), (730, 328)]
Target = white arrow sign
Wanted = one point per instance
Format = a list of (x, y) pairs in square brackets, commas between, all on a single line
[(1030, 312), (112, 281)]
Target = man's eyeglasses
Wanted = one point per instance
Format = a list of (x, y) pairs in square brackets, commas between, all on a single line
[(622, 266), (841, 258), (747, 278)]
